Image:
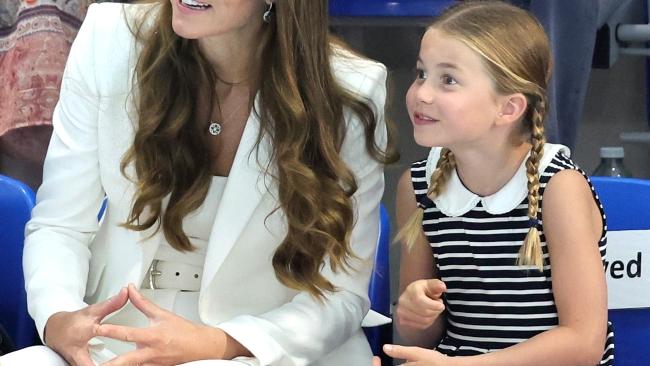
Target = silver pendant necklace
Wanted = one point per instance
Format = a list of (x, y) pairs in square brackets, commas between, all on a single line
[(214, 128)]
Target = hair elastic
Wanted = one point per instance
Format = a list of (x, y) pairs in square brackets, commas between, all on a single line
[(534, 223)]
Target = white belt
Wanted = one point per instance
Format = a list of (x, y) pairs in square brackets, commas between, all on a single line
[(173, 275)]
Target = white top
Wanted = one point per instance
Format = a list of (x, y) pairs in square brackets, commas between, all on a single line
[(197, 226)]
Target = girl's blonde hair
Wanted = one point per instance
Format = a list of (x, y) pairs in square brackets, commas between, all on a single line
[(516, 52)]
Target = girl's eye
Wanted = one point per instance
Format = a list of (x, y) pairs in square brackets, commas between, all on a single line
[(420, 74), (448, 80)]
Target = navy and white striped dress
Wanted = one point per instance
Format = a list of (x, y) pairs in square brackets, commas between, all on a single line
[(491, 302)]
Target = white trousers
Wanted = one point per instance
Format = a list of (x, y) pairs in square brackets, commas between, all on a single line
[(44, 356)]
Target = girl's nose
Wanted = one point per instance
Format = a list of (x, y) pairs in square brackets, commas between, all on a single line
[(425, 93)]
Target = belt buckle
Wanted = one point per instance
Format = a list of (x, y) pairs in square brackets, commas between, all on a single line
[(153, 273)]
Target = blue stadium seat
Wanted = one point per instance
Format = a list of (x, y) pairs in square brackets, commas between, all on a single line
[(16, 202), (379, 290), (627, 207), (386, 8)]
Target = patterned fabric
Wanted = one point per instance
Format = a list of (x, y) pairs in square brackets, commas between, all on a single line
[(35, 38), (491, 302)]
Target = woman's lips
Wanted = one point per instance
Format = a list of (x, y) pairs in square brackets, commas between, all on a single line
[(192, 6)]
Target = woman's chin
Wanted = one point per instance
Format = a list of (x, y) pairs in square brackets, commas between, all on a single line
[(182, 31)]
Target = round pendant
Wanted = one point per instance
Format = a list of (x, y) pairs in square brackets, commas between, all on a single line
[(214, 128)]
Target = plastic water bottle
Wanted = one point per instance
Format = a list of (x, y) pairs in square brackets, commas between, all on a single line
[(611, 163)]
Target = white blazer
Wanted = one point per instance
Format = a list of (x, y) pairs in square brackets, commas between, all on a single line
[(70, 260)]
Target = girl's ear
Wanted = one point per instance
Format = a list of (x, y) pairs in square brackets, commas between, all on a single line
[(513, 107)]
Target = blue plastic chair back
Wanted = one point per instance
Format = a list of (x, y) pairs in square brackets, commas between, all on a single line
[(387, 8), (627, 207), (16, 202), (626, 202), (379, 290)]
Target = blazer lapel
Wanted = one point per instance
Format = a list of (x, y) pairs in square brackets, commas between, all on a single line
[(246, 185), (149, 242)]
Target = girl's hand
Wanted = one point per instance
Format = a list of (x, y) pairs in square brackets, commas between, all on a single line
[(68, 333), (169, 339), (421, 303), (416, 356)]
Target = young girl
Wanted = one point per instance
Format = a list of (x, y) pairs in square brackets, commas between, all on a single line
[(516, 230)]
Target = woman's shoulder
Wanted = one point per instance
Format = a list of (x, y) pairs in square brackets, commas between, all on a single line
[(107, 43), (107, 18), (113, 24), (346, 60), (355, 72)]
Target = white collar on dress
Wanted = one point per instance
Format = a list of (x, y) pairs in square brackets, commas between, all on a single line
[(457, 200)]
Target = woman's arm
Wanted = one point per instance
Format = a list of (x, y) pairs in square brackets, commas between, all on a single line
[(419, 319), (56, 254), (573, 226)]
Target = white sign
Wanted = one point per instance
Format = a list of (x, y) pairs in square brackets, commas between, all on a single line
[(626, 267)]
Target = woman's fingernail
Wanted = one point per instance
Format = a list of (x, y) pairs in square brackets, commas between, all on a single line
[(388, 347)]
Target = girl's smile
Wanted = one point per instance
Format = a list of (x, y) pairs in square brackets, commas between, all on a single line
[(423, 119)]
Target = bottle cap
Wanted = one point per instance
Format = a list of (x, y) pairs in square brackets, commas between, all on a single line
[(613, 152)]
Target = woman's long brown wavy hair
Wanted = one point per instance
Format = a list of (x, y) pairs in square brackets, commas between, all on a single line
[(302, 111), (516, 52)]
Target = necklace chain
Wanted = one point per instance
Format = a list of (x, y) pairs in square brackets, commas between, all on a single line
[(215, 127)]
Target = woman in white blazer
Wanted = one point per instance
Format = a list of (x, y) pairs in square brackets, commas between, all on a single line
[(159, 104)]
